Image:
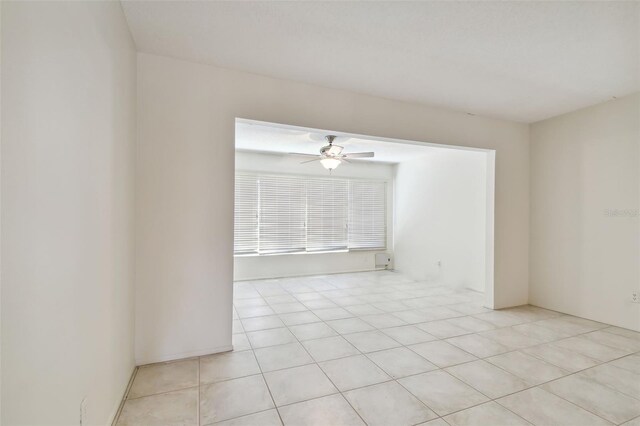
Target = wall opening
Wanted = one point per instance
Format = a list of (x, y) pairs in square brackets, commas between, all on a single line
[(438, 207)]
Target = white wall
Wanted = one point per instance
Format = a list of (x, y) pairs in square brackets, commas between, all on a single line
[(185, 174), (584, 262), (0, 213), (68, 114), (440, 216), (289, 265)]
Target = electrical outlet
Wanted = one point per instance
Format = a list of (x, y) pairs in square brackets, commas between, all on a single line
[(635, 297), (83, 411), (439, 263)]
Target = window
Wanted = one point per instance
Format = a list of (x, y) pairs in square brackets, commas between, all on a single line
[(293, 214), (282, 206), (327, 214), (367, 217), (246, 215)]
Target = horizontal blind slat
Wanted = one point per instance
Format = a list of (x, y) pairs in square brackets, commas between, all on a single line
[(327, 214), (283, 213), (367, 215), (246, 214)]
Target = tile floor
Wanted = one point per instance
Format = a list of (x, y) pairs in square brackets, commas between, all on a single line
[(376, 348)]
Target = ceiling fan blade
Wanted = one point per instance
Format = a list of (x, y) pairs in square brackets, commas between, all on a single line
[(310, 161), (359, 155), (299, 154)]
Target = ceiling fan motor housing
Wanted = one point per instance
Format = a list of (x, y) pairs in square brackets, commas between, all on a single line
[(331, 150)]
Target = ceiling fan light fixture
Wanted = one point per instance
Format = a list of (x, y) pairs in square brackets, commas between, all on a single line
[(330, 163)]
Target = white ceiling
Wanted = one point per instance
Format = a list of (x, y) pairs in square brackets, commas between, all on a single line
[(280, 139), (522, 61)]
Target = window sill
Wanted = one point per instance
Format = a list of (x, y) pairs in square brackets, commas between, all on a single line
[(296, 253)]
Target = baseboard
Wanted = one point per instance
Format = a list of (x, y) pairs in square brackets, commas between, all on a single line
[(182, 355), (350, 271), (113, 419), (595, 318)]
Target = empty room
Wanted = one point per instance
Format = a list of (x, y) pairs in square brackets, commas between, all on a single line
[(319, 213)]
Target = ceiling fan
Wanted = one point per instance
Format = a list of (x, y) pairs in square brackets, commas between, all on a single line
[(331, 155)]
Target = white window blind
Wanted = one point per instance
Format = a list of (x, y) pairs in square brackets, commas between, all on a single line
[(245, 239), (282, 214), (286, 214), (327, 214), (367, 215)]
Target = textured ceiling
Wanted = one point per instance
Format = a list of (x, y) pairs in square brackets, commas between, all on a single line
[(522, 61)]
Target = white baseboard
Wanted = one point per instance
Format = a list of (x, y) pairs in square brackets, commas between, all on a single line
[(346, 271), (113, 418), (182, 355)]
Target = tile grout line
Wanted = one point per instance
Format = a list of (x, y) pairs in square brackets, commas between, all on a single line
[(264, 380), (341, 393), (392, 379), (539, 384), (599, 363), (489, 399), (320, 368), (517, 349), (401, 287), (577, 372), (443, 369), (325, 374), (478, 358), (362, 354), (163, 392)]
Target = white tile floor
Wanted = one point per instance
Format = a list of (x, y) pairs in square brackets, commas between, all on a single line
[(376, 348)]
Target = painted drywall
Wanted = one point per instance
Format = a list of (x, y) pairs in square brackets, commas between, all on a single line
[(0, 212), (585, 185), (440, 217), (68, 145), (290, 265), (184, 187), (298, 265)]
